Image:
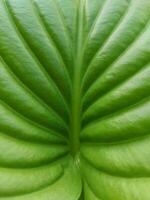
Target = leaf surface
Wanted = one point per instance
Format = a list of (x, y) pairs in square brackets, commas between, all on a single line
[(74, 100)]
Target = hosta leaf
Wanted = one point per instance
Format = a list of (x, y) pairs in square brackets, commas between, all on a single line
[(74, 100)]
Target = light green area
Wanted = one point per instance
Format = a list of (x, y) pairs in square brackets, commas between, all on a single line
[(74, 100)]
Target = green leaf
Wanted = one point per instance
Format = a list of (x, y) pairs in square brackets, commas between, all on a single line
[(74, 100)]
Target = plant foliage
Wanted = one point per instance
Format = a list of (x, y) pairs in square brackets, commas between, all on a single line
[(74, 99)]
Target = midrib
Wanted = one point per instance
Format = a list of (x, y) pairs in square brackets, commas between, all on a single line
[(76, 82)]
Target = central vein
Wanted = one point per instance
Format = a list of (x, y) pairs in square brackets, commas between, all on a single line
[(76, 94)]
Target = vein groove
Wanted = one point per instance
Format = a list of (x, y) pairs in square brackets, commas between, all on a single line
[(116, 86), (31, 53), (131, 45)]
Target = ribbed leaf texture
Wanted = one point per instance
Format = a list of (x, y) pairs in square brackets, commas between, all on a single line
[(74, 99)]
